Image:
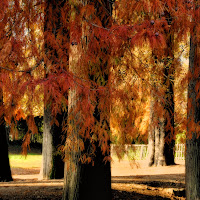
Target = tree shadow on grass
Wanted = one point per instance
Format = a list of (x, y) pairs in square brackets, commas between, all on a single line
[(159, 181), (117, 194)]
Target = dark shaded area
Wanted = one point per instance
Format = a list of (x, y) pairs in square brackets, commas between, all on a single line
[(55, 192), (117, 194), (96, 179), (151, 181), (58, 139), (22, 128), (5, 172), (15, 147)]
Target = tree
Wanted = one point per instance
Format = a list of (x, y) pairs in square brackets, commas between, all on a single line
[(192, 179), (93, 42), (91, 177), (53, 136), (52, 159), (161, 126)]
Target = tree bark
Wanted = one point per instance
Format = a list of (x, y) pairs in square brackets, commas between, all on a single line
[(72, 171), (52, 162), (156, 139), (192, 162)]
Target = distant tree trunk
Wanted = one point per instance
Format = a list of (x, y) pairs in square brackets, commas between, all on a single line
[(161, 132), (161, 125), (52, 161), (192, 178), (156, 139)]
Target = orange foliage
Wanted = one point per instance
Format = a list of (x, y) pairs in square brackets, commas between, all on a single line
[(102, 39)]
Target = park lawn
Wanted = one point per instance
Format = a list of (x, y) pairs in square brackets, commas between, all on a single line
[(30, 161)]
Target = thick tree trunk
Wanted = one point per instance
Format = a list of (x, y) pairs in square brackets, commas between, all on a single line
[(52, 162), (192, 178), (5, 172), (83, 181), (87, 181), (95, 180)]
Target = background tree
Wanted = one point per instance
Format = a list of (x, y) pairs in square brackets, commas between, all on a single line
[(53, 136)]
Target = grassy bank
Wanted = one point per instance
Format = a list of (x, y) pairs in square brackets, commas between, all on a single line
[(32, 160)]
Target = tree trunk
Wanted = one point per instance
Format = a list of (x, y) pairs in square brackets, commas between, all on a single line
[(52, 162), (156, 139), (72, 172), (151, 135), (192, 162), (161, 131), (169, 71), (5, 172), (83, 181)]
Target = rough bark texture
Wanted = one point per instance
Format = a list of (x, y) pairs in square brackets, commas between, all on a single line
[(156, 139), (5, 172), (192, 178), (52, 162)]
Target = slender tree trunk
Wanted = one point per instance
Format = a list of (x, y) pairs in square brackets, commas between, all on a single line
[(52, 162), (192, 178), (169, 71), (151, 136), (156, 139), (161, 131)]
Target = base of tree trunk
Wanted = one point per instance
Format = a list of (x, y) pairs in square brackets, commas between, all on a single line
[(5, 172), (192, 165), (88, 181), (95, 182)]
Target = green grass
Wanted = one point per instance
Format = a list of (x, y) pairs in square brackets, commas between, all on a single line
[(30, 161)]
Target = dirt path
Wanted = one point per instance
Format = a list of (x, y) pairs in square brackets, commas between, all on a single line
[(129, 181)]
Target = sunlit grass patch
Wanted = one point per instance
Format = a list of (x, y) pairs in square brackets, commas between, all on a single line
[(30, 161)]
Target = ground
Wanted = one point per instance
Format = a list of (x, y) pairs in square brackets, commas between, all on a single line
[(129, 181)]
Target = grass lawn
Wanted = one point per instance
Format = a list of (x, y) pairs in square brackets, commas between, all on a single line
[(30, 161)]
